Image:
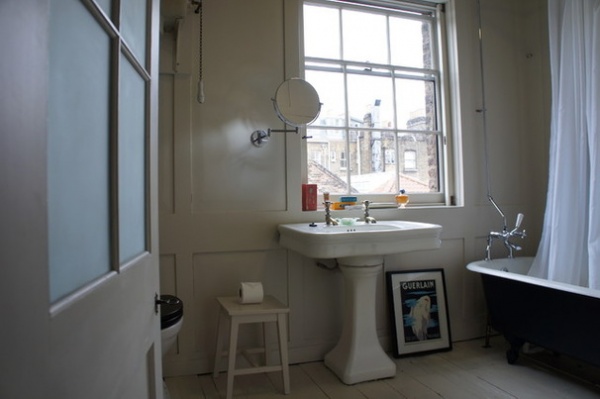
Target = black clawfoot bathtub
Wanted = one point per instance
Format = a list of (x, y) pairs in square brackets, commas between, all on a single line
[(559, 317)]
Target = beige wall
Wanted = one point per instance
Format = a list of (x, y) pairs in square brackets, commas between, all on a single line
[(221, 198)]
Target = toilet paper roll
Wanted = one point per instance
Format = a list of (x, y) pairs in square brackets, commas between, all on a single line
[(251, 292)]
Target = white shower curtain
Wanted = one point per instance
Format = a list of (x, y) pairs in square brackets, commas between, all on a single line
[(569, 250)]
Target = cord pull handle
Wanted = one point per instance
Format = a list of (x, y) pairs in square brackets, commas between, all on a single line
[(200, 96)]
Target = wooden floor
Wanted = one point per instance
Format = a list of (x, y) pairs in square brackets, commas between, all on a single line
[(469, 371)]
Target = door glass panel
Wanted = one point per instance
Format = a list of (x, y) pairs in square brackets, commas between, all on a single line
[(106, 6), (78, 149), (132, 158), (133, 27)]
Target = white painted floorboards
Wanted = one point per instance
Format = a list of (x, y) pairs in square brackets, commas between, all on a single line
[(469, 371)]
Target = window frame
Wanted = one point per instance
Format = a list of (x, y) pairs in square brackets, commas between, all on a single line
[(438, 74)]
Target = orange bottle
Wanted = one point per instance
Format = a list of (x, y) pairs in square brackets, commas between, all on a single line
[(402, 199)]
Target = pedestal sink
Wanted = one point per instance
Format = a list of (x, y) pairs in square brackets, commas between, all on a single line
[(359, 250)]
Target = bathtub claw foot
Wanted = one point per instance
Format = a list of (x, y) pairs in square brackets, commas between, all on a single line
[(512, 355)]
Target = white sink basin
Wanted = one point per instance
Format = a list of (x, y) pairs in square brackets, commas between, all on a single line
[(319, 241), (359, 250)]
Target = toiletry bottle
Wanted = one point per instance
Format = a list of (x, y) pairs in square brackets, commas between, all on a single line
[(402, 199)]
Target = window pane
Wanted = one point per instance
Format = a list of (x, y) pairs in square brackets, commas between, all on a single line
[(364, 37), (410, 43), (419, 172), (370, 101), (328, 160), (321, 32), (330, 87), (371, 171), (415, 101)]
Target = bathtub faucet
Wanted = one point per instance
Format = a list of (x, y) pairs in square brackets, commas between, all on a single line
[(505, 236)]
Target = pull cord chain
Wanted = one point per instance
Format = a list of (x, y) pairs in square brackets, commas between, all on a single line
[(200, 94), (483, 111)]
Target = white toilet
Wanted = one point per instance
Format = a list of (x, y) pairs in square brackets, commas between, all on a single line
[(171, 319)]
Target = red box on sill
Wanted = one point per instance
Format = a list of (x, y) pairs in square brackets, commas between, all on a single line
[(309, 197)]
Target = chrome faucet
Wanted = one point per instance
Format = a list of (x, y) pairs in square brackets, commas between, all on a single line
[(328, 219), (505, 236), (368, 219)]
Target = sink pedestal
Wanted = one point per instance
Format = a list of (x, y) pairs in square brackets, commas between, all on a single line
[(358, 355)]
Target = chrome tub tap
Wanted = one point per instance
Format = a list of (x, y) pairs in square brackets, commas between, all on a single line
[(505, 236)]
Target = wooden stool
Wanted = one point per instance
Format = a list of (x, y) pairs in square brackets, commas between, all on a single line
[(270, 310)]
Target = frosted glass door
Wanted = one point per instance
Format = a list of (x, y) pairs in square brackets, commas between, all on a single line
[(97, 140), (78, 148)]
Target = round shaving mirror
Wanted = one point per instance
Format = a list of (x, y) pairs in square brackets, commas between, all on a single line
[(296, 102)]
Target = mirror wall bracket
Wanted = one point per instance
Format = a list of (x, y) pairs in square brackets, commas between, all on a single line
[(259, 137)]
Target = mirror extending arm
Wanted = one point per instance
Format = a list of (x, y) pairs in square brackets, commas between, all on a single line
[(288, 131), (259, 137), (297, 104), (295, 130)]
